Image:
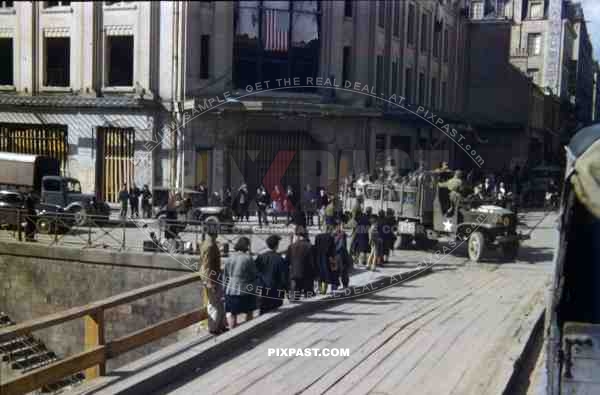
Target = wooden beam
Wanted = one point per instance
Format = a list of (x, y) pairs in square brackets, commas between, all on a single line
[(53, 372), (155, 332), (94, 337), (92, 308)]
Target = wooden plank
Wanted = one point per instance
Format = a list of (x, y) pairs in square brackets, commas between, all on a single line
[(94, 337), (53, 372), (76, 312), (155, 332)]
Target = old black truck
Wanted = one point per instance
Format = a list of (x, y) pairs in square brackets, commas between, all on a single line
[(41, 176)]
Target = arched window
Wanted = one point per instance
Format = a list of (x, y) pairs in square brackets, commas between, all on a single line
[(276, 39)]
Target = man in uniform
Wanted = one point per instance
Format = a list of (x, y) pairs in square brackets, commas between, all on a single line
[(455, 186), (210, 261)]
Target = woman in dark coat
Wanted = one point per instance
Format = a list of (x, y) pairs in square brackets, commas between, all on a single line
[(342, 258), (325, 255), (240, 283), (360, 242)]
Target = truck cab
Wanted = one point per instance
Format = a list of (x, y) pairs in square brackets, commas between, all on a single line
[(66, 192)]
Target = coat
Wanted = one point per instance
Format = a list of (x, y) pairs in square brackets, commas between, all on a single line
[(273, 272), (301, 261), (325, 254), (210, 262), (240, 274), (361, 238)]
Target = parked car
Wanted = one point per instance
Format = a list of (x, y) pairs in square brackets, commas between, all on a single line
[(48, 218)]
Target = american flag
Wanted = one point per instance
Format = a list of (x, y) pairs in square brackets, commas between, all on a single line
[(276, 25)]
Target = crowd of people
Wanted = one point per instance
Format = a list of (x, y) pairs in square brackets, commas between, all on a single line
[(243, 283), (131, 198)]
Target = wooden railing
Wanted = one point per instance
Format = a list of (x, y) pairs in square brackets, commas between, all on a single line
[(97, 351)]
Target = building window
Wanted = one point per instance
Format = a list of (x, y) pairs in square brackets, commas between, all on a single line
[(381, 13), (396, 30), (424, 32), (411, 24), (444, 96), (6, 61), (477, 10), (6, 4), (536, 10), (422, 89), (276, 39), (408, 85), (58, 55), (346, 63), (348, 8), (119, 59), (49, 4), (434, 93), (379, 77), (446, 45), (534, 44), (534, 75), (394, 77), (204, 56)]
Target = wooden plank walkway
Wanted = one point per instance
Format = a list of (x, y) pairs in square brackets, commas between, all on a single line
[(457, 331)]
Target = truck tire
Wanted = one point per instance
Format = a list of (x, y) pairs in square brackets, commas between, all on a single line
[(476, 246), (79, 215), (510, 250)]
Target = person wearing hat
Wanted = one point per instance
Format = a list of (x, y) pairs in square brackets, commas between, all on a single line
[(210, 269), (455, 186), (273, 275), (240, 283)]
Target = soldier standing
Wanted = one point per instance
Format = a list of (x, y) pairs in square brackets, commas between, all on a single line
[(455, 186)]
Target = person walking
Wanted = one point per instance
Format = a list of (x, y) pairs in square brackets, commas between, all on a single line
[(375, 246), (124, 199), (301, 262), (325, 255), (146, 204), (240, 283), (273, 275), (360, 238), (288, 203), (309, 202), (342, 258), (134, 201), (210, 269), (243, 202), (262, 202), (277, 198), (389, 238), (323, 202)]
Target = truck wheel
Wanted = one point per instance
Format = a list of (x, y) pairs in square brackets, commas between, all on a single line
[(476, 246), (510, 250), (79, 215), (44, 226)]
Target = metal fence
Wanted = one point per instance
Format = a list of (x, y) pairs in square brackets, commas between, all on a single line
[(130, 234)]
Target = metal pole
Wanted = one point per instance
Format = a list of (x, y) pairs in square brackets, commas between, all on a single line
[(89, 234), (123, 240), (19, 230)]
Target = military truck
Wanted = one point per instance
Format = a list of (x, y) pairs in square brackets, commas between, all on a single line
[(422, 208), (40, 175), (572, 316)]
